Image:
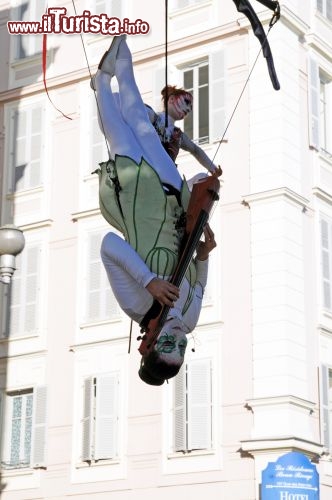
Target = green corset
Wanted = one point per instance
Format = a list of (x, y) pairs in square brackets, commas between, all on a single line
[(143, 213)]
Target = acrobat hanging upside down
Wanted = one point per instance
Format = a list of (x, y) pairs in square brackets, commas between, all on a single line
[(143, 195)]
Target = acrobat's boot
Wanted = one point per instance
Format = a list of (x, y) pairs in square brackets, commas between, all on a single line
[(107, 62)]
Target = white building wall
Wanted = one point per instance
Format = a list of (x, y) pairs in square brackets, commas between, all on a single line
[(262, 324)]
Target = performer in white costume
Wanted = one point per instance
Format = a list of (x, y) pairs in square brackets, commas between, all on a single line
[(146, 204)]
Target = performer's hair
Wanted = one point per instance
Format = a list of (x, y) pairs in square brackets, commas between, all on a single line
[(169, 90), (154, 370)]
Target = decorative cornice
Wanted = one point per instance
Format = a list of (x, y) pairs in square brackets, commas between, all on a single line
[(36, 225), (322, 195), (272, 194), (282, 400), (76, 216), (285, 444), (314, 41)]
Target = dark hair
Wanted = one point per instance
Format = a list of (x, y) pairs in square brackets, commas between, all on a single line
[(169, 90), (154, 371)]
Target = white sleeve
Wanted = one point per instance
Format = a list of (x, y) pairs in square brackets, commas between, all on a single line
[(198, 153)]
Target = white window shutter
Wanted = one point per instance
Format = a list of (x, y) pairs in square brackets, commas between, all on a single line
[(325, 406), (217, 94), (98, 147), (179, 413), (31, 289), (87, 421), (313, 102), (39, 426), (101, 303), (326, 262), (26, 147), (106, 416), (199, 405), (24, 292)]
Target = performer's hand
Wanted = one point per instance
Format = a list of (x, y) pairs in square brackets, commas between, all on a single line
[(217, 172), (206, 246), (163, 291)]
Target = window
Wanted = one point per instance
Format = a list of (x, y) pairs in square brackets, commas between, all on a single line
[(206, 81), (98, 148), (101, 304), (326, 410), (25, 429), (320, 108), (325, 8), (112, 7), (22, 297), (29, 11), (196, 81), (26, 146), (100, 418), (326, 259), (325, 113), (192, 407)]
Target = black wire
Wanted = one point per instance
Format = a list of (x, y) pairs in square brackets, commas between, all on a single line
[(166, 64)]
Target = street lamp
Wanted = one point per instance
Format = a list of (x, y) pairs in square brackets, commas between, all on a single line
[(12, 242)]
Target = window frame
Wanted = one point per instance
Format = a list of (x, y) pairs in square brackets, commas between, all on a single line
[(93, 443), (38, 417), (34, 43), (184, 383), (325, 248), (195, 91)]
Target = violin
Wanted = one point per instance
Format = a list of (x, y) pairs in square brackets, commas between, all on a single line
[(204, 194)]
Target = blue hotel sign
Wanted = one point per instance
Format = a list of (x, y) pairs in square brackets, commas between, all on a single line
[(291, 477)]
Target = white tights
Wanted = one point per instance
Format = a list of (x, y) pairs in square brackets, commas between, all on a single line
[(126, 123)]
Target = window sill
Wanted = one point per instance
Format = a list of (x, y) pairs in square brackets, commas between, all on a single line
[(25, 192), (186, 454), (97, 463), (92, 324), (25, 62), (24, 471)]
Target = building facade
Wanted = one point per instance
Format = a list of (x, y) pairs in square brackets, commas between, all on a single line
[(76, 421)]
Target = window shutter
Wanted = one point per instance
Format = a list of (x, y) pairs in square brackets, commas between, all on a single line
[(313, 105), (325, 406), (39, 426), (199, 404), (106, 416), (87, 420), (217, 79), (24, 292), (26, 147), (102, 304), (180, 419), (98, 145), (326, 262)]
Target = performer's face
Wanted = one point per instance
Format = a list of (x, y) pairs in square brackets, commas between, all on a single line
[(172, 343), (179, 106)]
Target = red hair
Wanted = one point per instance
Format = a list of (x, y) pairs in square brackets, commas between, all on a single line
[(169, 90)]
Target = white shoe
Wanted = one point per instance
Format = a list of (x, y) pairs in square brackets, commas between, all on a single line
[(107, 62)]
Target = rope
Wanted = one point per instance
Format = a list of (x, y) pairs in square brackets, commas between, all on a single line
[(166, 64), (272, 23)]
